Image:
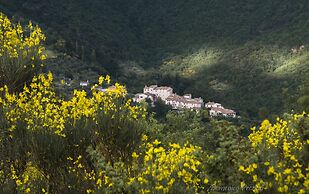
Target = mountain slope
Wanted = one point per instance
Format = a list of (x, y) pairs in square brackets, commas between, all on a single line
[(235, 52)]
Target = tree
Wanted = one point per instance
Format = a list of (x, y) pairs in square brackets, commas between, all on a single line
[(160, 108), (303, 102), (263, 112)]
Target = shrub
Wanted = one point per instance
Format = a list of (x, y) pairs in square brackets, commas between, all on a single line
[(45, 133), (280, 161), (21, 53)]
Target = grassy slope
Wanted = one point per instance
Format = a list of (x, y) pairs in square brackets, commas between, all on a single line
[(236, 52)]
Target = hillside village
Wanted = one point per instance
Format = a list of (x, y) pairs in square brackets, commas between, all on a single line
[(135, 96), (154, 92)]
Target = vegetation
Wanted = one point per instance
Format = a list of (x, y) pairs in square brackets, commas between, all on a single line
[(100, 142), (20, 49), (235, 52), (284, 146)]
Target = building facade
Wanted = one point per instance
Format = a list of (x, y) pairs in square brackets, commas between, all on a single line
[(84, 83), (161, 92), (180, 102), (217, 112), (213, 105), (143, 97)]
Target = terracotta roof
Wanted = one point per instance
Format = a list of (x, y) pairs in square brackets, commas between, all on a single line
[(175, 97)]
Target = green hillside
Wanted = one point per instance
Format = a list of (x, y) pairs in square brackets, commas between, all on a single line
[(234, 52)]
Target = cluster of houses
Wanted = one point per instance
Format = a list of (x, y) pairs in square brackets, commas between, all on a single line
[(297, 49), (178, 102), (216, 109)]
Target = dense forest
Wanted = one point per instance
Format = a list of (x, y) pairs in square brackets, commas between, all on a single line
[(235, 52), (250, 55)]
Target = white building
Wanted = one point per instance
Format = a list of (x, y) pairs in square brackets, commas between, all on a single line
[(215, 112), (84, 83), (142, 97), (180, 102), (213, 105), (150, 89), (187, 96), (162, 92), (175, 101)]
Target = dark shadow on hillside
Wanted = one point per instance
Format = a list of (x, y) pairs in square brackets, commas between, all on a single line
[(244, 86), (108, 32)]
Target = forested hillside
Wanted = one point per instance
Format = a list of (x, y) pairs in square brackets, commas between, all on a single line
[(65, 129), (235, 52)]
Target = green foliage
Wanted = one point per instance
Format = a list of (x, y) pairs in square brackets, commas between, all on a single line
[(109, 152), (303, 102), (228, 150), (100, 143), (119, 135), (160, 109), (238, 53), (280, 155)]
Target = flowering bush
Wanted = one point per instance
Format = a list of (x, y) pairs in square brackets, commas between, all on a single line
[(174, 169), (281, 156), (96, 142), (41, 130), (21, 53)]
